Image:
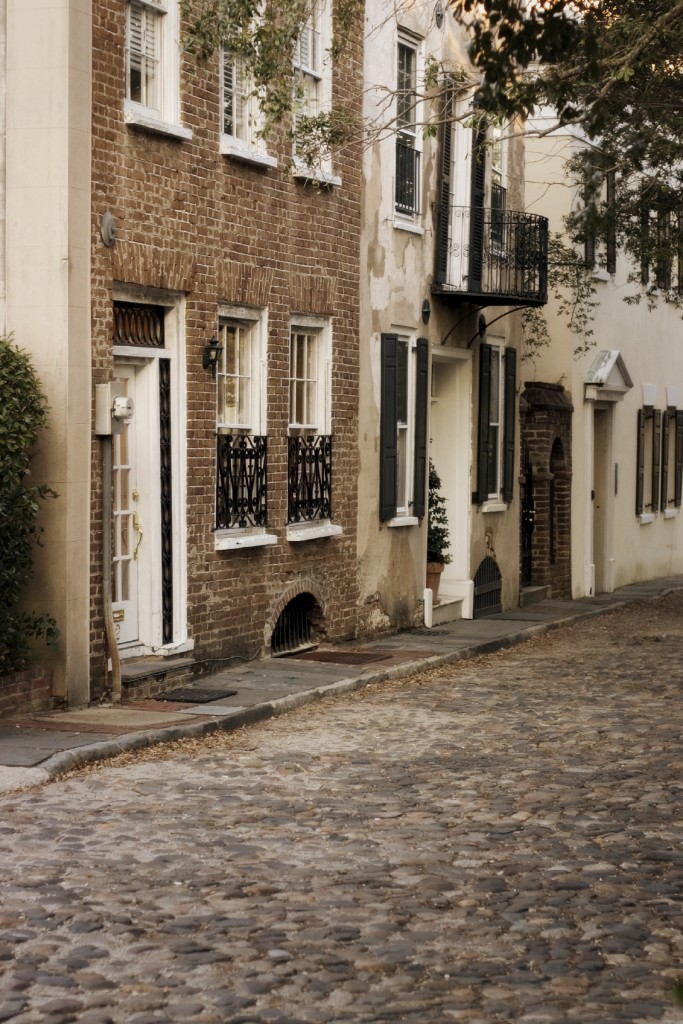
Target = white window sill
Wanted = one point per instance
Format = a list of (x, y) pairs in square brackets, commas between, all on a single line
[(494, 506), (411, 226), (311, 531), (601, 275), (671, 513), (233, 540), (319, 176), (239, 151), (140, 117), (646, 517), (402, 521)]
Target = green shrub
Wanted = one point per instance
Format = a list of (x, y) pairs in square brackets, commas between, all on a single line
[(23, 414), (438, 535)]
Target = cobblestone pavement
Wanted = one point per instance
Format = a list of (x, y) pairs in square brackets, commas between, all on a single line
[(497, 841)]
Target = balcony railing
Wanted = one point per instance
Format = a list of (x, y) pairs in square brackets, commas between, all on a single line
[(241, 481), (309, 478), (491, 256)]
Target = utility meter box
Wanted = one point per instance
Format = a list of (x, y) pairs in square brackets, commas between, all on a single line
[(113, 409)]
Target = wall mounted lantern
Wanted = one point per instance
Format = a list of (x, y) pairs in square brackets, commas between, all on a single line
[(211, 355)]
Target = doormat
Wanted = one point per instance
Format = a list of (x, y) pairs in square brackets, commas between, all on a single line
[(343, 657), (195, 694)]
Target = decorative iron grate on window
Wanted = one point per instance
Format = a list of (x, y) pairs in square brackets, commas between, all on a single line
[(407, 179), (241, 481), (138, 325), (309, 478)]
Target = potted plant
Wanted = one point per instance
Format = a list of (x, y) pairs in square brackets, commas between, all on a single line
[(438, 537)]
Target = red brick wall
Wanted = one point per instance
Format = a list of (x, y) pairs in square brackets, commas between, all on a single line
[(27, 691), (191, 219)]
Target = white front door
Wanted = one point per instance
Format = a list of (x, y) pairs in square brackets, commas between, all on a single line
[(127, 529)]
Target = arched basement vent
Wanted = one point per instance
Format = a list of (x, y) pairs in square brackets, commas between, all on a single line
[(488, 587), (294, 629)]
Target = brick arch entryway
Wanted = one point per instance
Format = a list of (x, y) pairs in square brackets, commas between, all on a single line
[(546, 429)]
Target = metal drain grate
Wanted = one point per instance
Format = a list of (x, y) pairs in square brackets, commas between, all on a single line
[(195, 694), (343, 657)]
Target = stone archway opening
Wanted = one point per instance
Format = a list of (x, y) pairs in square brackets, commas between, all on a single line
[(298, 626)]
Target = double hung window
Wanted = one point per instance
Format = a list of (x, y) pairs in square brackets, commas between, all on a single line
[(241, 486), (241, 117), (312, 88), (407, 187), (403, 427), (310, 439), (648, 461), (496, 424), (152, 66)]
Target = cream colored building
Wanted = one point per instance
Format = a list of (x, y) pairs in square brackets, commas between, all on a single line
[(448, 258), (626, 390)]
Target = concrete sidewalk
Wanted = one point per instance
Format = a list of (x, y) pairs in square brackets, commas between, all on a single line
[(35, 749)]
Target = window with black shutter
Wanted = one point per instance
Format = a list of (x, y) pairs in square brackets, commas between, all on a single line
[(496, 424), (403, 426)]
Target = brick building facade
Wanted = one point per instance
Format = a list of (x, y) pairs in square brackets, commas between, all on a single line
[(234, 487)]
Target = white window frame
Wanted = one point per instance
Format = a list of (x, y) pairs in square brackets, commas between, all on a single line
[(244, 142), (254, 323), (312, 69), (410, 134), (319, 422), (161, 112), (406, 427), (494, 502)]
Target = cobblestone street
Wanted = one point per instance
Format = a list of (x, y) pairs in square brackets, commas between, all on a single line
[(500, 840)]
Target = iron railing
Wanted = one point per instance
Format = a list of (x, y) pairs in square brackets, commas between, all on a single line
[(241, 481), (491, 255), (407, 179), (309, 478)]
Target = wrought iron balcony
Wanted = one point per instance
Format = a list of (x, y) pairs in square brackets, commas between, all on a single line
[(309, 478), (241, 481), (491, 257)]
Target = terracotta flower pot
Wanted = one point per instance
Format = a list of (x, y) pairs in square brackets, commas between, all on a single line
[(434, 570)]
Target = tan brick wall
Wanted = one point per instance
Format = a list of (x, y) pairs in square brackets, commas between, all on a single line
[(221, 230)]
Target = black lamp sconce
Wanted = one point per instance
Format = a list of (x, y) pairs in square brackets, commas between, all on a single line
[(438, 14), (426, 311), (211, 355)]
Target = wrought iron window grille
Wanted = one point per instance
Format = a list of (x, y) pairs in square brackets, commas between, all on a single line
[(407, 179), (241, 481), (309, 478)]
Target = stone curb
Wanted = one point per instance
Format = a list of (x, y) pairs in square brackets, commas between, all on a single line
[(67, 760)]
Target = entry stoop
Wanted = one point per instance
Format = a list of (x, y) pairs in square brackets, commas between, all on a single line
[(532, 595), (148, 677), (449, 609)]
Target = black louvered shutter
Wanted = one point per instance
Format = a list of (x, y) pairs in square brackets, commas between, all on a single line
[(509, 413), (611, 225), (656, 456), (666, 418), (482, 493), (476, 264), (640, 463), (444, 191), (388, 442), (421, 400), (678, 485)]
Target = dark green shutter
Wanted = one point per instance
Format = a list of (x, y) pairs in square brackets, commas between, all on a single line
[(444, 191), (509, 413), (640, 463), (421, 400), (611, 225), (388, 442), (656, 456), (678, 487), (666, 418), (481, 494), (476, 265)]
